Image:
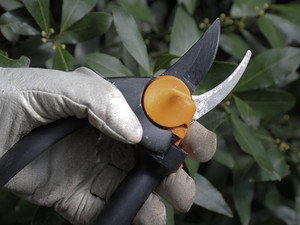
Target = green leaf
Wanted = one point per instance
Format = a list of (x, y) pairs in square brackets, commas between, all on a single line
[(139, 9), (251, 145), (264, 136), (277, 157), (8, 202), (270, 32), (74, 10), (22, 213), (289, 28), (286, 214), (7, 62), (20, 21), (192, 166), (130, 62), (286, 131), (256, 45), (208, 197), (218, 72), (163, 61), (233, 45), (37, 51), (243, 189), (92, 25), (63, 60), (190, 5), (87, 47), (269, 68), (279, 163), (269, 102), (40, 11), (247, 7), (213, 119), (106, 65), (170, 212), (295, 88), (287, 8), (10, 5), (47, 216), (289, 11), (293, 76), (184, 34), (131, 37), (9, 34), (142, 71), (274, 198), (223, 155), (250, 116)]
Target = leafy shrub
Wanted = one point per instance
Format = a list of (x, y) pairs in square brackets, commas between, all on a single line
[(254, 176)]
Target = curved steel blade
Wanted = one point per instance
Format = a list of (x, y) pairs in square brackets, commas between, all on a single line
[(212, 98), (195, 63)]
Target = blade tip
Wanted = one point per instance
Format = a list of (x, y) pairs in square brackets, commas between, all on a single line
[(217, 23), (248, 53), (247, 56), (217, 20)]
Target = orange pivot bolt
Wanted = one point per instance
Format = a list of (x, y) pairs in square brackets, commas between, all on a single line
[(167, 102)]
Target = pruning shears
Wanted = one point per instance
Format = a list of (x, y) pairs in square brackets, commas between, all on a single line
[(165, 108)]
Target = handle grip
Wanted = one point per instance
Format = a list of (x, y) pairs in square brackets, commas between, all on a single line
[(35, 143), (133, 191)]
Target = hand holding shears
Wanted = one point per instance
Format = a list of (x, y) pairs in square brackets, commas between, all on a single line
[(159, 104)]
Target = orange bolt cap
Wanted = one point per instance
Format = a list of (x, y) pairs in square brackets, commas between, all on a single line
[(167, 101)]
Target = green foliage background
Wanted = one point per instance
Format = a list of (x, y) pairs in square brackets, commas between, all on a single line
[(254, 176)]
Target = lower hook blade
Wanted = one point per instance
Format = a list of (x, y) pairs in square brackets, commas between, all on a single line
[(207, 101)]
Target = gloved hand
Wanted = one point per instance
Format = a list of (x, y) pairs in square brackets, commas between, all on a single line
[(80, 172)]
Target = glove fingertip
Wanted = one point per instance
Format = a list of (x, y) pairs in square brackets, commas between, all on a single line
[(200, 143), (153, 212), (115, 118), (179, 190)]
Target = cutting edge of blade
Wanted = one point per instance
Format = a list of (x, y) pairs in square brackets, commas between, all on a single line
[(207, 101)]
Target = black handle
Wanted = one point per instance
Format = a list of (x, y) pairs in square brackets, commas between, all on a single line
[(35, 143), (133, 191)]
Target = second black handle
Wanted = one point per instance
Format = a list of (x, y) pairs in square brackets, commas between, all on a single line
[(133, 191)]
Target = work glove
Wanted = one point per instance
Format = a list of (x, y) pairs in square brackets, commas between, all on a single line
[(78, 174)]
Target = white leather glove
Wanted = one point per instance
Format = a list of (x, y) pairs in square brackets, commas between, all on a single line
[(79, 173)]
